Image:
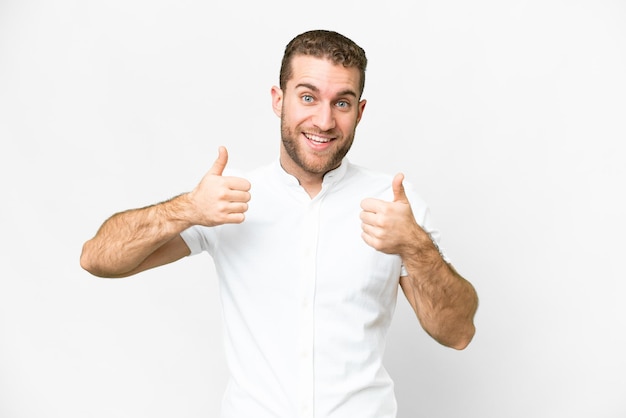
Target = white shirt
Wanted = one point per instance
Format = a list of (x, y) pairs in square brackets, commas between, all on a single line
[(306, 302)]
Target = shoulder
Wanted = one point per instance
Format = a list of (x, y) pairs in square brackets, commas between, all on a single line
[(261, 177), (378, 184), (367, 177), (258, 172), (366, 180)]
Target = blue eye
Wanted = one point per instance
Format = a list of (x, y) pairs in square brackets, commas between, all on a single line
[(307, 98), (343, 104)]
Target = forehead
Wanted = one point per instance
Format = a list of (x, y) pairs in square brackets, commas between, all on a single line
[(323, 74)]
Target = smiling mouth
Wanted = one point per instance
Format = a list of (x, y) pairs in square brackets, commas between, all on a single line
[(317, 139)]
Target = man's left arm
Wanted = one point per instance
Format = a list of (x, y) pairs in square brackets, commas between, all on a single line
[(445, 303)]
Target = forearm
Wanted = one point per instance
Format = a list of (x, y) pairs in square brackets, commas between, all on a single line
[(127, 238), (444, 302)]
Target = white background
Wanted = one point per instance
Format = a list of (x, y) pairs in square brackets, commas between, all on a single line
[(509, 117)]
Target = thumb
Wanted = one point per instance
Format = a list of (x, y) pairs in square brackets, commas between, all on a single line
[(398, 189), (220, 163)]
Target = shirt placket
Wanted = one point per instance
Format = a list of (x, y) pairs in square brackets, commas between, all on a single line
[(307, 309)]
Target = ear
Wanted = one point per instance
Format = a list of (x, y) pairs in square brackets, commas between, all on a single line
[(362, 104), (277, 100)]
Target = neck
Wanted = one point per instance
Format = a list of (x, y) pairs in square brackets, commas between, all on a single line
[(312, 189), (310, 182)]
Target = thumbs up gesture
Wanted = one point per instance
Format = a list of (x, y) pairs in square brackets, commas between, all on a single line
[(219, 199), (390, 227)]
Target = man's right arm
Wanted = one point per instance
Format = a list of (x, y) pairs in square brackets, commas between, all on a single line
[(136, 240)]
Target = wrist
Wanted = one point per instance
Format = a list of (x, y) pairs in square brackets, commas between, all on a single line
[(179, 211), (422, 253)]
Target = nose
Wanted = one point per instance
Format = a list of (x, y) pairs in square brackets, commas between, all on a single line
[(324, 118)]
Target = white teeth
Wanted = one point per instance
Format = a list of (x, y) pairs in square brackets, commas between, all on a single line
[(316, 138)]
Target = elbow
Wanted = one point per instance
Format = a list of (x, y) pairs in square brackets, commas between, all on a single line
[(85, 260), (457, 339), (466, 331), (463, 339), (89, 263)]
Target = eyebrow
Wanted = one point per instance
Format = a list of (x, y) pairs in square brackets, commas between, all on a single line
[(346, 92)]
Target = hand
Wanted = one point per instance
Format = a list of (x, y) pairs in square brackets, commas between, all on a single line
[(220, 200), (390, 227)]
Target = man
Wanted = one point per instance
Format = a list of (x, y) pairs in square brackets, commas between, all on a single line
[(309, 252)]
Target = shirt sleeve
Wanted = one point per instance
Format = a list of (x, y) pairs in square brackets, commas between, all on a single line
[(197, 238), (424, 219)]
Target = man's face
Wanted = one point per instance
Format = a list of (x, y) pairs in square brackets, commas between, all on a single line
[(319, 111)]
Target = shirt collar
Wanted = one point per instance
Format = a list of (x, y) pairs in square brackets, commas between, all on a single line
[(330, 178), (334, 176)]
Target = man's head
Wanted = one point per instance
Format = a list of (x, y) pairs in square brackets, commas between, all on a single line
[(319, 102), (324, 44)]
